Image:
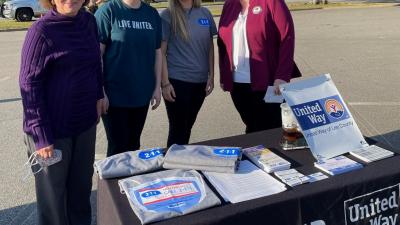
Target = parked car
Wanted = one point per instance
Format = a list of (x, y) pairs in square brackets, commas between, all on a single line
[(22, 10), (1, 7)]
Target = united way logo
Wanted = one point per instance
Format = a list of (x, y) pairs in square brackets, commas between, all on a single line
[(334, 108), (320, 112)]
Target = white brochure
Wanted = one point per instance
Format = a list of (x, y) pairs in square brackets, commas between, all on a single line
[(271, 97), (249, 182), (316, 177), (292, 177), (327, 123), (371, 153)]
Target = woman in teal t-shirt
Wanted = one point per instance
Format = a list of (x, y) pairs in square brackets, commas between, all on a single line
[(188, 68), (130, 41)]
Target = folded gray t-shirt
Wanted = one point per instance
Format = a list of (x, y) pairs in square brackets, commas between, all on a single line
[(130, 163), (218, 169), (166, 194), (202, 157)]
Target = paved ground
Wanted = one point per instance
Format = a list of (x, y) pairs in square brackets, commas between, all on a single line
[(359, 47)]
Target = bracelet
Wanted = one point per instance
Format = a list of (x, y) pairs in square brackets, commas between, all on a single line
[(165, 85)]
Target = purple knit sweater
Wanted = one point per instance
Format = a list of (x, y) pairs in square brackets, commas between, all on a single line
[(60, 77)]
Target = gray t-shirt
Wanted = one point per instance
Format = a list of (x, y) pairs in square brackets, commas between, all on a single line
[(166, 194), (188, 60)]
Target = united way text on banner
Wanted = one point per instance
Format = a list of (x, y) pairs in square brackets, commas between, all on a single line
[(320, 112), (377, 208), (327, 124)]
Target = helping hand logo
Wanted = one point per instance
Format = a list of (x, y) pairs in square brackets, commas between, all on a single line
[(334, 108)]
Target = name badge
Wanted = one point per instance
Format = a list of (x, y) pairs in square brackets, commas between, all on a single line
[(257, 10), (203, 22)]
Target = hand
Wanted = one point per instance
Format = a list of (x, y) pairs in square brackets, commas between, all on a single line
[(102, 107), (99, 108), (46, 152), (168, 92), (277, 83), (105, 105), (156, 99), (210, 86)]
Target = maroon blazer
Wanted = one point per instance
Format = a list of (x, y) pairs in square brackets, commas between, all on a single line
[(270, 36)]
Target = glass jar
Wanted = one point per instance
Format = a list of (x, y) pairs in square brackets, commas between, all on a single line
[(289, 122), (292, 137)]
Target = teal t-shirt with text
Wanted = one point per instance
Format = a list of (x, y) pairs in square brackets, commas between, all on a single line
[(131, 37)]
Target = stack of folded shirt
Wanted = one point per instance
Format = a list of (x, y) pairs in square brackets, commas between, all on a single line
[(130, 163), (166, 194), (205, 158)]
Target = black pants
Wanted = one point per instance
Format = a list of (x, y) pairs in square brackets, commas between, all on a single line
[(63, 189), (123, 128), (255, 113), (183, 112)]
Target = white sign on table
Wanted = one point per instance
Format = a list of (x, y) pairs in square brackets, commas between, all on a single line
[(324, 118)]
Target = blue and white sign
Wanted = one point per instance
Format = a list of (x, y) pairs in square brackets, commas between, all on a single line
[(167, 195), (150, 154), (227, 152), (320, 112), (203, 22), (324, 118)]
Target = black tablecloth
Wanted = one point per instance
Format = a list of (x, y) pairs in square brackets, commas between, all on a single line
[(333, 200)]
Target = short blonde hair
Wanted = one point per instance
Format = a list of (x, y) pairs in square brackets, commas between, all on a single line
[(49, 4)]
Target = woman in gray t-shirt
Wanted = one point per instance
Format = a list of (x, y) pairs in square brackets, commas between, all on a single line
[(188, 64)]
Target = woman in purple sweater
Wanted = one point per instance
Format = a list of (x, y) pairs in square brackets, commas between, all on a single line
[(256, 48), (61, 88)]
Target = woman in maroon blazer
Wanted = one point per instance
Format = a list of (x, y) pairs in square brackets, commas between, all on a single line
[(256, 48)]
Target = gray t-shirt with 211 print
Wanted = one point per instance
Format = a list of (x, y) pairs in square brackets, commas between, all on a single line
[(188, 60)]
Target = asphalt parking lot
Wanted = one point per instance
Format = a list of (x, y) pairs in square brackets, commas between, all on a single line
[(358, 47)]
